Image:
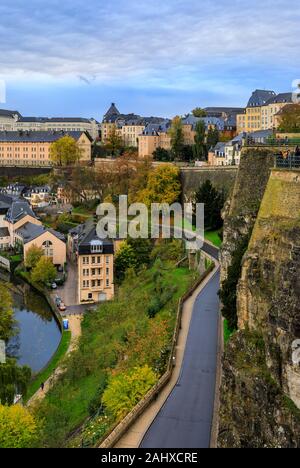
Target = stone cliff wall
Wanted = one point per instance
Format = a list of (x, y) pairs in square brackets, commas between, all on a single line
[(221, 178), (241, 209), (260, 401)]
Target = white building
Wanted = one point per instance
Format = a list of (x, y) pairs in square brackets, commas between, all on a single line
[(13, 121)]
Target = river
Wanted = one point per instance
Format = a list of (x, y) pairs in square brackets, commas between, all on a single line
[(37, 332)]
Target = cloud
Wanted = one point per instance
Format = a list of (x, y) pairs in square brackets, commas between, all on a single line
[(172, 43)]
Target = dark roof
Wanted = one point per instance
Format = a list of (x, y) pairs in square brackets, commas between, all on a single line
[(18, 210), (260, 97), (36, 137), (4, 232), (7, 199), (87, 234), (31, 231), (9, 113), (111, 114), (281, 98), (54, 119), (218, 111)]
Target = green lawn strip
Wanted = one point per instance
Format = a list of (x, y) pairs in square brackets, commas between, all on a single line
[(44, 375), (213, 237)]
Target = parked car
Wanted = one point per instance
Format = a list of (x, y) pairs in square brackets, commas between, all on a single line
[(58, 301), (62, 307)]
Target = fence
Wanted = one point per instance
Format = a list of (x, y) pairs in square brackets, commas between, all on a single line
[(290, 161)]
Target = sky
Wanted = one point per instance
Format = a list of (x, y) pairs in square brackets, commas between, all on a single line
[(162, 58)]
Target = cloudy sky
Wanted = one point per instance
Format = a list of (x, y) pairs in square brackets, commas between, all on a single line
[(74, 57)]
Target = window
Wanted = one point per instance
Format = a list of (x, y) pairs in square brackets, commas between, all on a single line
[(107, 283), (107, 260)]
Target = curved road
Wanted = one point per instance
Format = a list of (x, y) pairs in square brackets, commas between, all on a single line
[(185, 419)]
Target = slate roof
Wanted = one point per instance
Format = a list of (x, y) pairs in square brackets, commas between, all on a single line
[(4, 232), (9, 113), (111, 114), (281, 98), (155, 129), (260, 97), (31, 231), (36, 137), (54, 119), (18, 210), (87, 234)]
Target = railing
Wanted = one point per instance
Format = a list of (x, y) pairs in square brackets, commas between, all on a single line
[(273, 142), (288, 161)]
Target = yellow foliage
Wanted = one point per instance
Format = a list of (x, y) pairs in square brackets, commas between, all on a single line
[(163, 186), (18, 428)]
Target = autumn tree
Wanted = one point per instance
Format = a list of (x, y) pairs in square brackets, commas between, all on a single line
[(163, 186), (65, 151), (44, 271), (114, 142), (34, 254), (18, 427), (177, 137), (199, 112), (290, 119), (125, 390), (6, 313)]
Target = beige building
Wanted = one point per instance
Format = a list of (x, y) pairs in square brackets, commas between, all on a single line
[(95, 263), (261, 111), (19, 228), (33, 148)]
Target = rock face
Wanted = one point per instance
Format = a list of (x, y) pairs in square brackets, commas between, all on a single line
[(241, 209), (260, 396)]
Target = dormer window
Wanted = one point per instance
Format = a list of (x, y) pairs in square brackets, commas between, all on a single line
[(96, 246)]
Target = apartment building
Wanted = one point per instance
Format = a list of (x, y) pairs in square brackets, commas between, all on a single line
[(12, 121), (261, 110), (95, 263), (33, 148)]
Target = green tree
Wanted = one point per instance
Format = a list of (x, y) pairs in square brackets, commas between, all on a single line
[(142, 249), (65, 151), (125, 390), (290, 119), (34, 254), (199, 147), (18, 427), (228, 292), (161, 154), (6, 313), (198, 112), (44, 271), (163, 186), (177, 138), (125, 259), (213, 203), (13, 380), (212, 137)]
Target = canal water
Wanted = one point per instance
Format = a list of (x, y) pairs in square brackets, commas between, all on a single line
[(37, 331)]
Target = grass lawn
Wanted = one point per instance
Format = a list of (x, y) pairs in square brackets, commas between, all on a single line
[(83, 211), (53, 364), (213, 237), (117, 329)]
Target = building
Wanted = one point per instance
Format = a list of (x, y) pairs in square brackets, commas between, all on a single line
[(20, 229), (127, 126), (33, 148), (154, 136), (38, 197), (261, 110), (95, 263), (13, 121), (216, 155)]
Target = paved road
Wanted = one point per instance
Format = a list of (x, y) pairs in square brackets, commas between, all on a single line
[(185, 419)]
